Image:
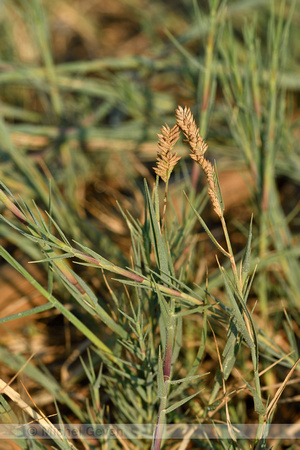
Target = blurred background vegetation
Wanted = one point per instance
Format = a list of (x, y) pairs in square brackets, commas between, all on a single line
[(85, 87)]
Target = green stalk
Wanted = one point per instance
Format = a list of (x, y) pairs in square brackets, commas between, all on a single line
[(268, 165), (206, 93), (239, 287), (231, 257), (161, 418), (208, 73), (43, 40), (165, 206)]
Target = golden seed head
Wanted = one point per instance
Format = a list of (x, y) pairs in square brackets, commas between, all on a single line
[(166, 160), (198, 146)]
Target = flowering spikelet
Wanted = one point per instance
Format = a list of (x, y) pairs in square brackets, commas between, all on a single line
[(166, 160), (186, 122), (198, 146)]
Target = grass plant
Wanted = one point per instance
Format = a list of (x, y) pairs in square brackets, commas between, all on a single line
[(174, 309)]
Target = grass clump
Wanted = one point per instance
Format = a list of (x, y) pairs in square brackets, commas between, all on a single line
[(144, 369), (163, 311)]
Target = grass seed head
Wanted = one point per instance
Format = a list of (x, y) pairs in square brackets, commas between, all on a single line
[(166, 160), (198, 146)]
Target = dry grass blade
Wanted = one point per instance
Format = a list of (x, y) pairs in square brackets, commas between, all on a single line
[(166, 160), (43, 421), (198, 146), (274, 402)]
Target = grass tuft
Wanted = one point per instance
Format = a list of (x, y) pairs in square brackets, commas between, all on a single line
[(161, 305)]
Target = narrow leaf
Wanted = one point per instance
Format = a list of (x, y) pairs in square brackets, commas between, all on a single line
[(28, 312), (247, 252), (158, 243), (182, 402), (207, 230)]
